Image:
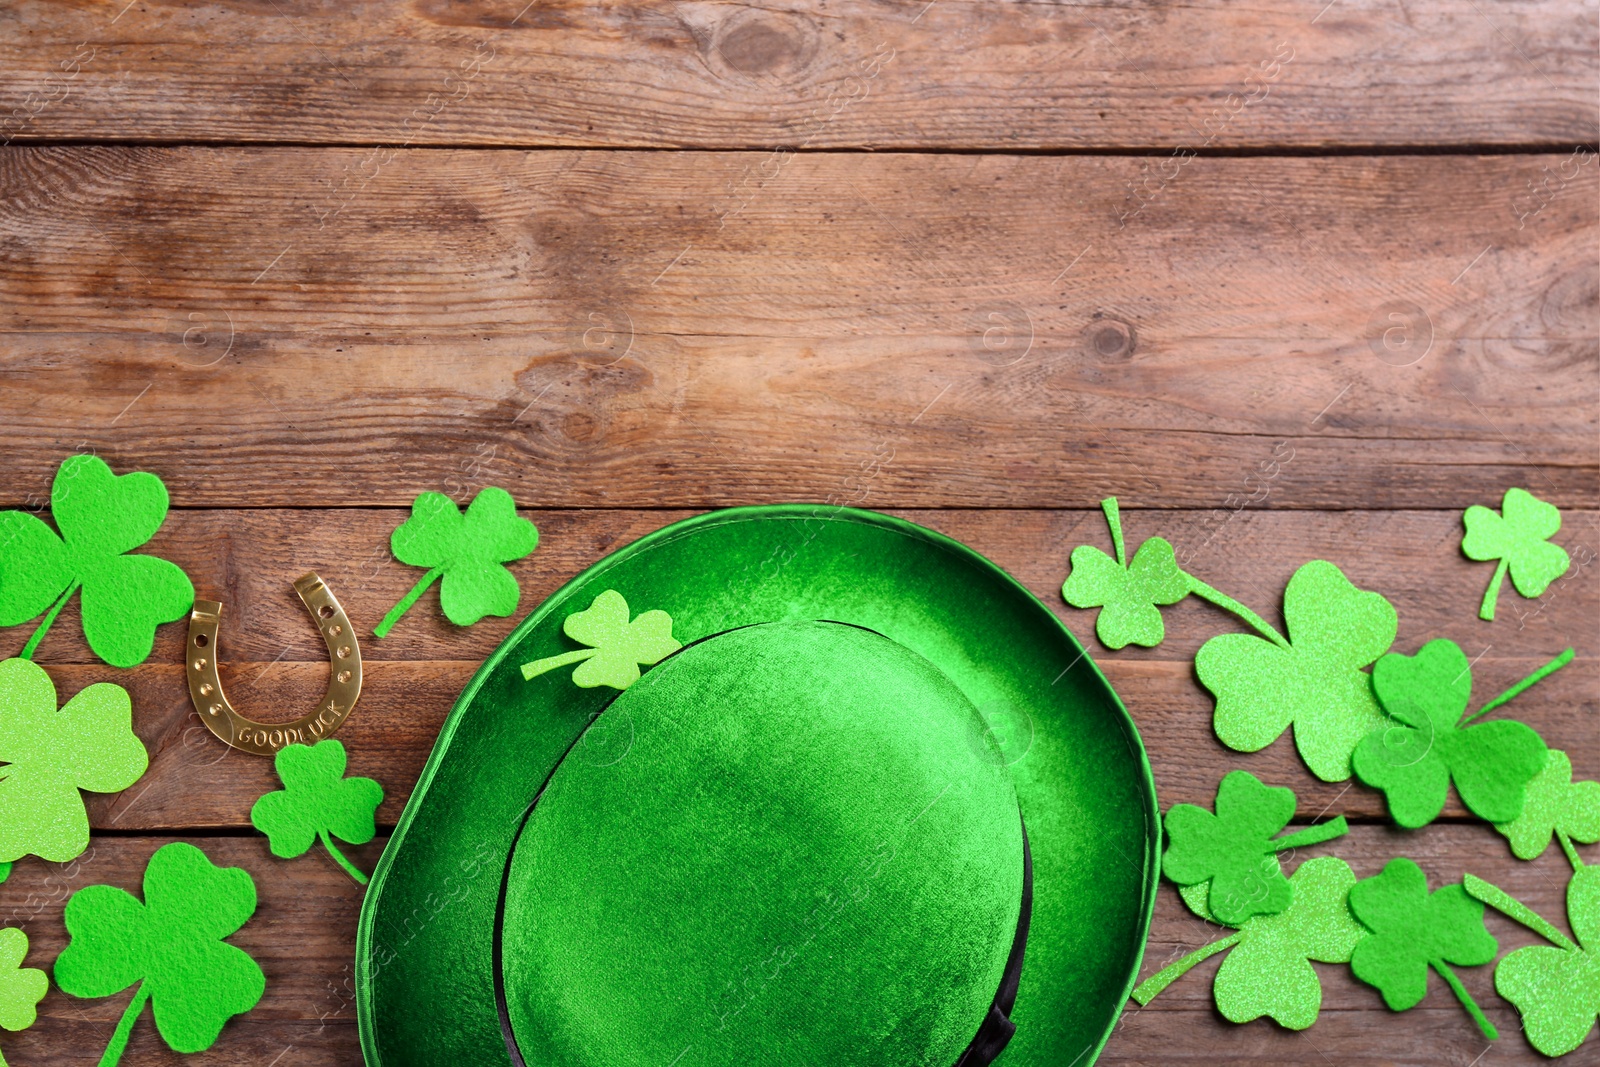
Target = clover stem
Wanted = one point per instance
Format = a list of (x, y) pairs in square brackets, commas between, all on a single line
[(1566, 846), (1313, 835), (1527, 683), (532, 670), (119, 1039), (1466, 999), (1490, 595), (1512, 908), (1227, 603), (1147, 989), (338, 857), (383, 628), (1114, 520), (38, 633)]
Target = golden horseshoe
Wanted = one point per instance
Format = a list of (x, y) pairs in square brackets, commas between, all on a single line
[(265, 739)]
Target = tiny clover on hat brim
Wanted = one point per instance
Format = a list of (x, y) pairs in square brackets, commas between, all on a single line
[(467, 551), (1555, 806), (1235, 851), (50, 755), (317, 803), (617, 647), (101, 519), (21, 988), (1431, 745), (1268, 973), (1518, 536), (1411, 931), (171, 945)]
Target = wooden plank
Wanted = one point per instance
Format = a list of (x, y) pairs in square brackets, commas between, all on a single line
[(851, 74), (294, 327)]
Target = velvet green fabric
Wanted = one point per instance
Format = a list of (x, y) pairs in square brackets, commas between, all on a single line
[(424, 954)]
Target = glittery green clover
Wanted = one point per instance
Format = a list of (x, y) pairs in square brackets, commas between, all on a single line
[(101, 518), (1415, 759), (1518, 537), (1411, 931), (89, 744), (1126, 593), (467, 551), (1555, 806), (21, 988), (1268, 973), (1557, 990), (1235, 851), (617, 647), (1312, 679), (171, 945), (317, 803)]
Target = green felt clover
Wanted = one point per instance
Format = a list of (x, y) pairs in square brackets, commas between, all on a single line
[(21, 988), (171, 945), (1312, 679), (1126, 593), (1415, 760), (50, 755), (617, 647), (317, 802), (1555, 806), (5, 871), (468, 551), (1518, 536), (1557, 990), (1269, 973), (1234, 850), (1411, 931), (101, 518)]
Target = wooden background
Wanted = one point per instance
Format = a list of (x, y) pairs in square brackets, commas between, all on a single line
[(1295, 279)]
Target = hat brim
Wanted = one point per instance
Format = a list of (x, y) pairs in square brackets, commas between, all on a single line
[(424, 960)]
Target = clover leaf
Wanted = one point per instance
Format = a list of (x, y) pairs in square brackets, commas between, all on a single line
[(101, 518), (617, 647), (50, 755), (1313, 679), (467, 550), (1235, 851), (1412, 931), (171, 945), (1518, 537), (1415, 761), (316, 803), (1268, 973), (1126, 593), (1555, 806), (21, 988)]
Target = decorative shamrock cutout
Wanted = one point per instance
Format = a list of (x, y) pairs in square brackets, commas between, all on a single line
[(1414, 762), (1555, 805), (317, 802), (50, 755), (1126, 593), (1268, 973), (1557, 990), (1313, 679), (1518, 538), (1412, 931), (171, 945), (101, 517), (5, 871), (21, 988), (467, 550), (1235, 850), (617, 647)]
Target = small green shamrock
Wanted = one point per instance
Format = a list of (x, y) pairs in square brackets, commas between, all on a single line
[(21, 988), (1557, 990), (101, 518), (1313, 679), (1414, 761), (1518, 538), (617, 647), (316, 803), (1411, 931), (1235, 850), (50, 755), (1555, 806), (1268, 973), (171, 945), (467, 550), (1126, 593)]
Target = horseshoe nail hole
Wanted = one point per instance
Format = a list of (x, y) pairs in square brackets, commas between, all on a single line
[(326, 611), (343, 676), (344, 651), (201, 640), (200, 664), (207, 689), (335, 630), (215, 709)]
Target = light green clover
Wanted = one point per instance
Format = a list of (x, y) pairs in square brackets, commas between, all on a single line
[(617, 647), (1126, 592), (21, 988), (1518, 538), (316, 803), (1555, 806)]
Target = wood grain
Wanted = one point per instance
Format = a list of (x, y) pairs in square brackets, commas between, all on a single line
[(851, 74)]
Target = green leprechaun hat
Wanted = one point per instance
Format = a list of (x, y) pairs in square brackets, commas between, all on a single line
[(773, 785)]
